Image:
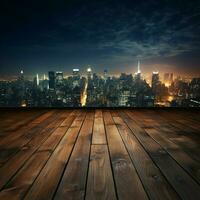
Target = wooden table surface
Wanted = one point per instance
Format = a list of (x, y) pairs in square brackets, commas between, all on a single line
[(99, 154)]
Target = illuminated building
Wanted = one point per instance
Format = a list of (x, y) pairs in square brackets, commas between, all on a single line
[(105, 74), (37, 80), (76, 73), (21, 76), (59, 78), (138, 73), (124, 97), (89, 72), (155, 82), (94, 91), (168, 79)]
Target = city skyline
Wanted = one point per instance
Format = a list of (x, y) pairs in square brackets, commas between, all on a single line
[(113, 34), (96, 90), (83, 72)]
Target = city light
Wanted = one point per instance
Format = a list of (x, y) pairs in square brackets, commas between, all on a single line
[(94, 90), (167, 84), (170, 98), (89, 69), (84, 96)]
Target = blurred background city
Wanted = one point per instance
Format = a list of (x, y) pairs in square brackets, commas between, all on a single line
[(90, 89)]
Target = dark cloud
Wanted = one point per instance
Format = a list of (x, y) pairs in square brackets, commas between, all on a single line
[(110, 32)]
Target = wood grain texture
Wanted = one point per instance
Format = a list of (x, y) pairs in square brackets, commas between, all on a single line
[(98, 136), (73, 183), (124, 172), (99, 154), (154, 182), (47, 181), (16, 162), (21, 182), (100, 184), (174, 173)]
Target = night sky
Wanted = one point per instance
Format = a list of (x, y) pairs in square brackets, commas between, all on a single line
[(39, 36)]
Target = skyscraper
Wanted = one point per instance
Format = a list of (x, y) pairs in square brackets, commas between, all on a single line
[(76, 78), (105, 74), (89, 73), (21, 76), (155, 82), (21, 87), (76, 72), (59, 78), (138, 73), (51, 80), (138, 67), (37, 79), (168, 79)]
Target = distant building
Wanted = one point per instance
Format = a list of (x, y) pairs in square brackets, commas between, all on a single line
[(52, 80), (124, 97), (37, 80), (76, 78), (105, 74), (59, 78), (76, 73), (89, 73), (138, 73), (155, 82), (168, 78)]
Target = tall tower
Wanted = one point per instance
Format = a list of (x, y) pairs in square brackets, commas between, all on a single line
[(52, 80), (89, 73), (76, 72), (155, 82), (138, 67), (105, 74), (21, 76), (138, 73), (37, 79), (59, 78)]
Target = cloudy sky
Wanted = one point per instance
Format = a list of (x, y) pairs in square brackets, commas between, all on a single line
[(39, 36)]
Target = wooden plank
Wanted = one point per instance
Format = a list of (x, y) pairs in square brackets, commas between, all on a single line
[(13, 120), (190, 165), (16, 188), (73, 183), (16, 162), (46, 183), (10, 138), (175, 120), (13, 136), (154, 182), (20, 183), (68, 120), (115, 113), (25, 118), (98, 113), (178, 178), (43, 117), (108, 118), (183, 136), (189, 115), (99, 136), (100, 183), (14, 144), (128, 184)]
